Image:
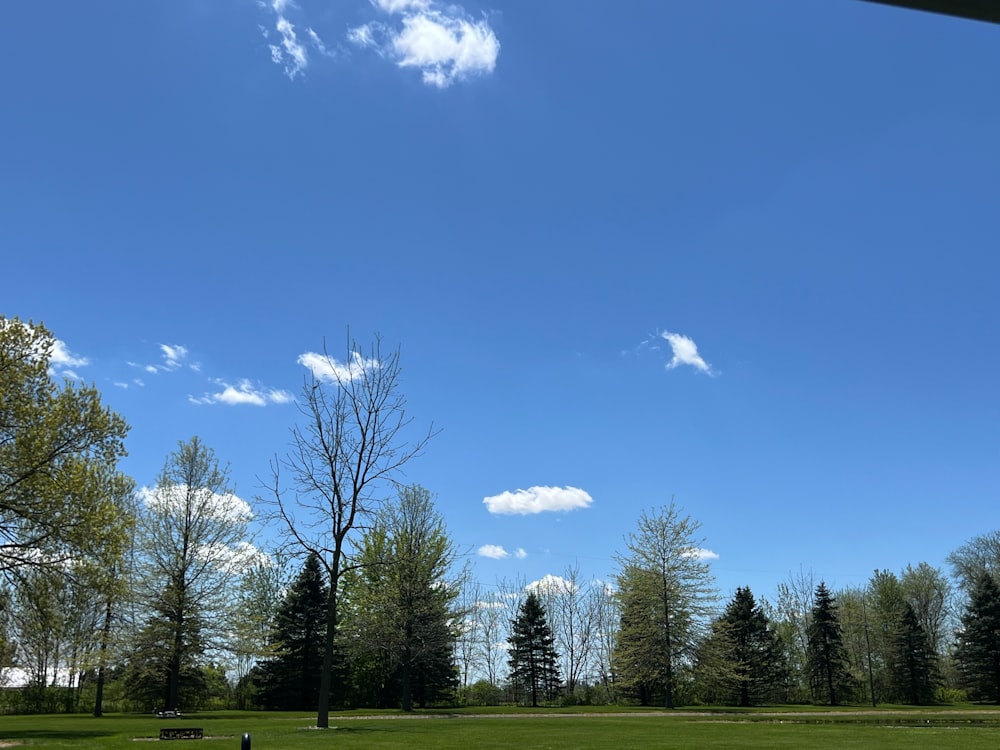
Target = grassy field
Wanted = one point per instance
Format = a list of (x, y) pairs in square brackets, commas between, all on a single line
[(588, 730)]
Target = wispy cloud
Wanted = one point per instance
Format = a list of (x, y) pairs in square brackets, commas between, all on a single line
[(289, 52), (520, 553), (174, 357), (699, 553), (440, 40), (538, 500), (493, 551), (328, 370), (685, 352), (245, 392)]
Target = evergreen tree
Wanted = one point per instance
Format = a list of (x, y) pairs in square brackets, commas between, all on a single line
[(826, 658), (749, 651), (914, 664), (978, 651), (291, 679), (534, 663)]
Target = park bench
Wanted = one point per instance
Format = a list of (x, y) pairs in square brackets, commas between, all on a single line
[(182, 733)]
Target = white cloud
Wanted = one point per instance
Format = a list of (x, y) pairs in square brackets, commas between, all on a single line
[(364, 36), (493, 551), (237, 559), (328, 370), (291, 54), (62, 357), (173, 355), (401, 6), (520, 553), (699, 553), (685, 352), (440, 40), (550, 584), (227, 508), (437, 38), (244, 392), (537, 500)]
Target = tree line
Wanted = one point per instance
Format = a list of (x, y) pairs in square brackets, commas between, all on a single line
[(158, 598)]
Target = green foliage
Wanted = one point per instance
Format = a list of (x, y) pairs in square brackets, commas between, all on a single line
[(191, 538), (913, 665), (978, 650), (482, 693), (826, 659), (534, 663), (290, 679), (398, 619), (666, 591), (57, 444), (742, 662)]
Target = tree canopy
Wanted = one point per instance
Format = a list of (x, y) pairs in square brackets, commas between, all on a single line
[(58, 443)]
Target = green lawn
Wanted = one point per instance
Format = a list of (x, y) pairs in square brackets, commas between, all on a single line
[(588, 730)]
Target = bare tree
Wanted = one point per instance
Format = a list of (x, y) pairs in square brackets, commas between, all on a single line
[(607, 615), (342, 462), (572, 621)]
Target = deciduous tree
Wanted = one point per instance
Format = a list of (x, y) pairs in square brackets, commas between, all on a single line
[(56, 442), (667, 590), (342, 462), (405, 600), (192, 532)]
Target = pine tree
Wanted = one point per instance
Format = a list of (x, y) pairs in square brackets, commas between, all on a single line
[(914, 665), (534, 663), (752, 648), (978, 651), (291, 679), (826, 658)]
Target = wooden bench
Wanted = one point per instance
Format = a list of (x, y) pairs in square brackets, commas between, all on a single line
[(182, 733)]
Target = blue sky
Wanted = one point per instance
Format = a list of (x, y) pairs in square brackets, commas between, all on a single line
[(742, 254)]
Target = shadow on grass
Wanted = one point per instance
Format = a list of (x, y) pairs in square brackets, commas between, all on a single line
[(52, 734)]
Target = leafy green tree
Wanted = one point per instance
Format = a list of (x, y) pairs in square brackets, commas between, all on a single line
[(57, 441), (405, 602), (746, 652), (534, 663), (913, 663), (640, 655), (978, 648), (348, 450), (192, 541), (291, 678), (929, 592), (667, 591), (826, 659)]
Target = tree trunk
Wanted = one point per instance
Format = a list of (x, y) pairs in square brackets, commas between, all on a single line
[(326, 679), (105, 637)]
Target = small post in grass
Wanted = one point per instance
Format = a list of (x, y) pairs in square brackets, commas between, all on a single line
[(245, 744)]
